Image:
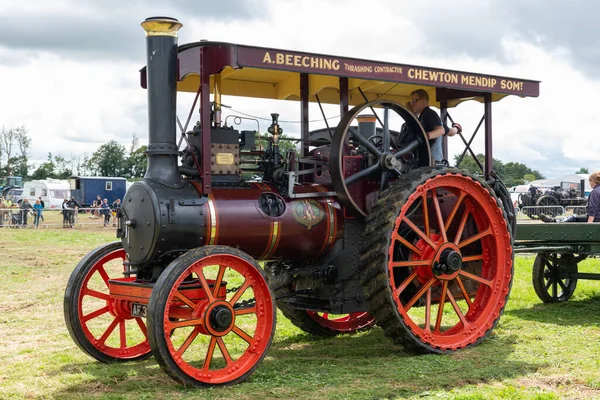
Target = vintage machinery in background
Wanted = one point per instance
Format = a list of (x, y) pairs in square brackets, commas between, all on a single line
[(359, 230), (551, 201)]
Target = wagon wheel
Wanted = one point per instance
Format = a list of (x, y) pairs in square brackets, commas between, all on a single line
[(445, 286), (551, 277), (211, 337), (103, 327), (360, 169), (547, 201), (313, 322)]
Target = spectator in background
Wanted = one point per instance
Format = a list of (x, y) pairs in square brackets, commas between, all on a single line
[(72, 206), (65, 213), (105, 210), (3, 213), (43, 206), (115, 206), (25, 208), (37, 213)]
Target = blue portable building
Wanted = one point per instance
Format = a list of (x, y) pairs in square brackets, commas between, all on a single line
[(86, 188)]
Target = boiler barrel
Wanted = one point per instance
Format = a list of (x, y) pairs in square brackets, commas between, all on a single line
[(306, 228)]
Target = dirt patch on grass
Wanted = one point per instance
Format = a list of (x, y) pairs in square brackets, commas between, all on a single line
[(564, 385)]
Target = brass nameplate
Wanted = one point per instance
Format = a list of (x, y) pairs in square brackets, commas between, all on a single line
[(225, 158)]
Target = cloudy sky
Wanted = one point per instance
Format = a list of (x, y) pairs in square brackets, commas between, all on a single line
[(69, 68)]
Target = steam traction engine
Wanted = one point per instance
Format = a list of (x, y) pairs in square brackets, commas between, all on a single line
[(359, 229)]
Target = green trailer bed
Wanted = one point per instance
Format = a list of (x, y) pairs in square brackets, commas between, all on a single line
[(559, 248)]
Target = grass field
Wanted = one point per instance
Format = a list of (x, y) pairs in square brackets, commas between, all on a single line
[(537, 351)]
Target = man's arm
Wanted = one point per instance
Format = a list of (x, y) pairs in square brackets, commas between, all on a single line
[(432, 121), (436, 133)]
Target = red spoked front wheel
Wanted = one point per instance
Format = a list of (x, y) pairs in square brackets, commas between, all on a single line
[(102, 326), (211, 317), (446, 258)]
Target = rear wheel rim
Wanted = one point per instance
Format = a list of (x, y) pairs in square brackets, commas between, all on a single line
[(94, 319), (218, 323), (343, 323), (449, 308)]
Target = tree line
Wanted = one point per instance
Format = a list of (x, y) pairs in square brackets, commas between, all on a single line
[(111, 159), (114, 159)]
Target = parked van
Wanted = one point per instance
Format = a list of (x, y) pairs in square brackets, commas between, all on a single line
[(15, 195), (52, 191)]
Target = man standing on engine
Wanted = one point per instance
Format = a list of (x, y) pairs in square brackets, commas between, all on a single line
[(432, 124)]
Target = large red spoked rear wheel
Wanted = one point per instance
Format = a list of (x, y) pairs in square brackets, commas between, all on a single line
[(438, 260), (101, 326), (211, 317), (313, 322), (343, 323)]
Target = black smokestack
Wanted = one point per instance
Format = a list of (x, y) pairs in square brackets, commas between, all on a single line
[(161, 78)]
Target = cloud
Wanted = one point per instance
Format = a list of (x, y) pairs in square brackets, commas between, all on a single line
[(103, 30), (477, 29), (69, 68)]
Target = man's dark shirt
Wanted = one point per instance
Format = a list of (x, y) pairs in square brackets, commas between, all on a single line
[(593, 205), (430, 120)]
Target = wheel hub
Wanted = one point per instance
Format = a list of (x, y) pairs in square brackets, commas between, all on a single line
[(450, 262), (221, 318), (390, 162)]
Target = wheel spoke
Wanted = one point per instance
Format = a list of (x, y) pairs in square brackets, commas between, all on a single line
[(454, 210), (209, 353), (188, 341), (188, 322), (185, 299), (562, 285), (238, 331), (457, 310), (245, 310), (239, 293), (96, 294), (428, 311), (108, 331), (361, 174), (474, 238), (440, 313), (368, 145), (205, 285), (438, 213), (405, 284), (95, 314), (142, 326), (419, 294), (408, 149), (425, 213), (122, 334), (475, 278), (219, 280), (103, 274), (224, 351), (554, 290), (548, 283), (419, 232), (473, 258), (464, 291), (461, 227), (406, 243), (412, 263), (383, 181)]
